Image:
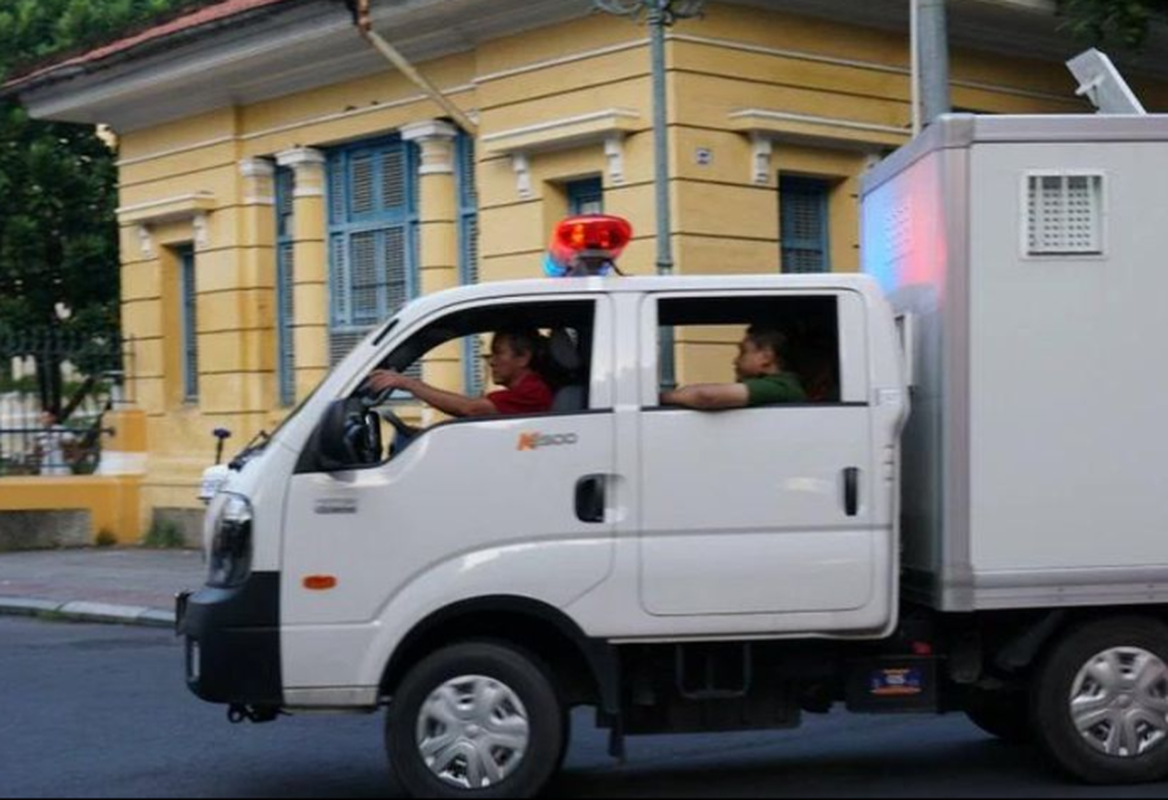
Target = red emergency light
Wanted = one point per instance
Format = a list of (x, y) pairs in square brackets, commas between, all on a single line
[(588, 245)]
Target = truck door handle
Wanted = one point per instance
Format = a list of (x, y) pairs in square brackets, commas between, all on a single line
[(852, 491), (590, 499)]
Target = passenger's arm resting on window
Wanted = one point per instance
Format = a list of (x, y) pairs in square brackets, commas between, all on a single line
[(708, 396), (455, 405)]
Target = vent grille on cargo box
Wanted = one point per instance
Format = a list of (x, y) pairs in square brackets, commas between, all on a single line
[(1065, 213)]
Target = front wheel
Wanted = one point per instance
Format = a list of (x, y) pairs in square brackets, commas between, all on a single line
[(1100, 702), (476, 720)]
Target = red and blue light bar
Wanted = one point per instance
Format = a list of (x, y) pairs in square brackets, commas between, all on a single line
[(587, 245)]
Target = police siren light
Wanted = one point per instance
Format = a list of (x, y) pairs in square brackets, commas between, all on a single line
[(587, 246)]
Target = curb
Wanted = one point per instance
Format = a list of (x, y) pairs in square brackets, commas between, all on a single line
[(85, 611)]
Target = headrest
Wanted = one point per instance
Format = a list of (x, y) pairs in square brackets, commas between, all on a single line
[(563, 352)]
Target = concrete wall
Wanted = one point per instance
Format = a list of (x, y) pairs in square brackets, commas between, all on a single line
[(110, 504), (44, 530)]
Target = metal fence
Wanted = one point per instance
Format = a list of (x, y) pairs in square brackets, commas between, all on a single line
[(56, 388)]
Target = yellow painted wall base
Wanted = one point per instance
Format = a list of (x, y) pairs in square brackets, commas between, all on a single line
[(112, 503), (129, 431)]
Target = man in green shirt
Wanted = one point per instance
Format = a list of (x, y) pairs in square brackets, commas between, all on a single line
[(762, 378)]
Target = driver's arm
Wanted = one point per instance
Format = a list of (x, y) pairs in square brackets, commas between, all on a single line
[(451, 403), (709, 396)]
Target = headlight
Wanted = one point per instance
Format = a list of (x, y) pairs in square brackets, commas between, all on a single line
[(231, 544)]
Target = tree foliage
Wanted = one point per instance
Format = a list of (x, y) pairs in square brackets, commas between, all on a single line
[(58, 182), (58, 236), (1105, 22)]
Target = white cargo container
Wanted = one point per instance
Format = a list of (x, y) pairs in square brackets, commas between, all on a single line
[(1028, 251)]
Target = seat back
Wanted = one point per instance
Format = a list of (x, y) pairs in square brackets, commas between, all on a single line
[(565, 368)]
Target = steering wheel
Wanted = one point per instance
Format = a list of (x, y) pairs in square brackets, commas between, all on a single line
[(405, 433), (362, 437)]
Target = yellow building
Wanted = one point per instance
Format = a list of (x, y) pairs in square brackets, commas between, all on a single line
[(283, 188)]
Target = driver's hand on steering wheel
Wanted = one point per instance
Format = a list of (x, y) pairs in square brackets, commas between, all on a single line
[(384, 380)]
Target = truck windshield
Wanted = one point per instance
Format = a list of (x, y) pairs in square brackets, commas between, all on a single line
[(260, 443)]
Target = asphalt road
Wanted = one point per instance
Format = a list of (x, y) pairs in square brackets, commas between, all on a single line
[(95, 711)]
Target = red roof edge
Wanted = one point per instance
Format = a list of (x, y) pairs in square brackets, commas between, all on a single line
[(184, 21)]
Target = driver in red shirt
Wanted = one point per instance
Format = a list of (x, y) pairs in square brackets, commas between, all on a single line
[(513, 355)]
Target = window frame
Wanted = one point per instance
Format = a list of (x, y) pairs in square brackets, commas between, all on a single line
[(344, 225), (188, 308), (285, 210), (583, 191), (851, 341), (601, 384), (469, 254), (791, 184)]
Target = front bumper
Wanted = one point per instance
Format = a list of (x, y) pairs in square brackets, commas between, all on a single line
[(233, 642)]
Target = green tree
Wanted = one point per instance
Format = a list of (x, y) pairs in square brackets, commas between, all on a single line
[(1122, 22), (58, 184)]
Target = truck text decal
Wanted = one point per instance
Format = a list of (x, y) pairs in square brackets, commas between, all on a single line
[(534, 441)]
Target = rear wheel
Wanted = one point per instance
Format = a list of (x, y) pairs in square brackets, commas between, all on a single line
[(1100, 702), (476, 720)]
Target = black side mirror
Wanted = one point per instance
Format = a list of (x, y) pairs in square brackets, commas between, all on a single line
[(349, 437)]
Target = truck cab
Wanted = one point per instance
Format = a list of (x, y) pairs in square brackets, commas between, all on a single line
[(482, 576)]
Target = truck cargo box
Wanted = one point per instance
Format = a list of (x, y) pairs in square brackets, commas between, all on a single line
[(1032, 254)]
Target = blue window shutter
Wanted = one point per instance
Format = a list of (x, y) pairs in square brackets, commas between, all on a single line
[(372, 237), (395, 249), (468, 238), (285, 285), (285, 203), (286, 302), (362, 185), (394, 191), (364, 277), (803, 212), (341, 316), (337, 189), (586, 197), (468, 206), (190, 324)]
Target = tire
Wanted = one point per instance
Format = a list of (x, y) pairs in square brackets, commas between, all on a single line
[(477, 708), (1002, 714), (1118, 671)]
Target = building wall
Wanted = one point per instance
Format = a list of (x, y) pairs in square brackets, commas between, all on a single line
[(828, 99)]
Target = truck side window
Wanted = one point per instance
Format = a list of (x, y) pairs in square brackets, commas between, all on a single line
[(562, 334), (705, 334)]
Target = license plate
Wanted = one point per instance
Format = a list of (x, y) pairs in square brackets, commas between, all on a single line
[(901, 682)]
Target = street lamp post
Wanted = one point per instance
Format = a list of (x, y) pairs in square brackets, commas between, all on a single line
[(659, 14), (930, 59)]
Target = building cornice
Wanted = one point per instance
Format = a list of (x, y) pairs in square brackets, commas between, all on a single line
[(298, 47)]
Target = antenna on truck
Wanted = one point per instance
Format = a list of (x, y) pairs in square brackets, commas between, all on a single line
[(1103, 84)]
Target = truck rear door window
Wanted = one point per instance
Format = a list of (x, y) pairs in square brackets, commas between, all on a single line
[(699, 339)]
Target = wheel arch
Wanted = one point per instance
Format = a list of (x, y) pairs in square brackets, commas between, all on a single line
[(587, 669)]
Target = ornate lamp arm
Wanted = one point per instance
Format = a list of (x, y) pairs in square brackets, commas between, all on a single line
[(664, 12)]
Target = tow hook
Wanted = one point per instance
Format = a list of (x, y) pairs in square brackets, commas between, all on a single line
[(239, 714)]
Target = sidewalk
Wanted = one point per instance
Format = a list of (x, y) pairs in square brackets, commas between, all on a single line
[(127, 586)]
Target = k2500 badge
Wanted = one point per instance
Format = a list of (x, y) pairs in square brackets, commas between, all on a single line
[(535, 441)]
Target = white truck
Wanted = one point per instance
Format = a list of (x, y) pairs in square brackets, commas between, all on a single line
[(1001, 551)]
